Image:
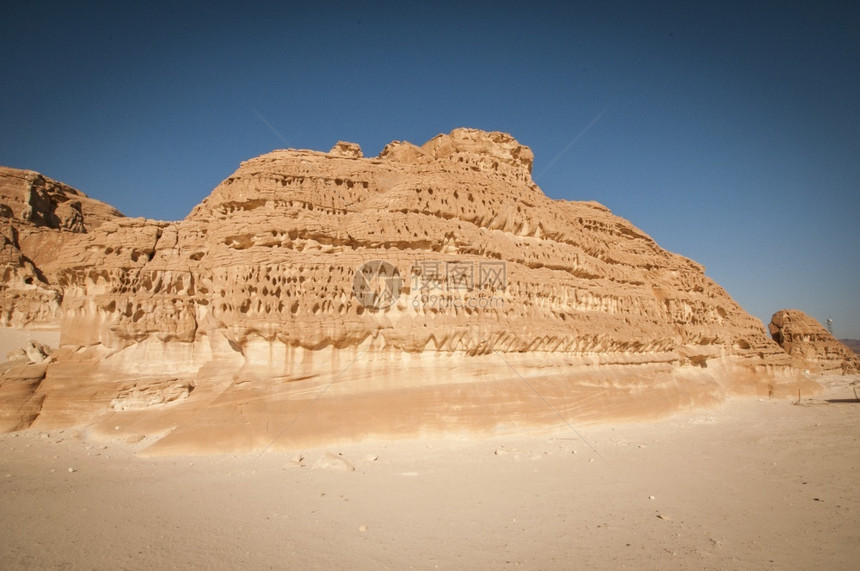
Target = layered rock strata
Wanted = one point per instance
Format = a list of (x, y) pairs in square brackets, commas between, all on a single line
[(322, 296)]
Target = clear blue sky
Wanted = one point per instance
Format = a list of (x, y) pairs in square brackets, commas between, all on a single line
[(729, 132)]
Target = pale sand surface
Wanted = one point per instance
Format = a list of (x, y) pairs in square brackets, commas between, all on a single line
[(751, 484)]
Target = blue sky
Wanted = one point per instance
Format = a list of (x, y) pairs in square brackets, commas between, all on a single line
[(728, 131)]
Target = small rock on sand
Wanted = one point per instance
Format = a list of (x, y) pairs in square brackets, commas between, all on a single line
[(334, 462), (297, 461)]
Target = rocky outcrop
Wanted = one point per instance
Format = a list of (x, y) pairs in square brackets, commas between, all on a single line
[(28, 197), (33, 353), (429, 289), (853, 344), (810, 345), (37, 216), (346, 150)]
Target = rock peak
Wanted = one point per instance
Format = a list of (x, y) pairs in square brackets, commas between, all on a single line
[(345, 149), (487, 151)]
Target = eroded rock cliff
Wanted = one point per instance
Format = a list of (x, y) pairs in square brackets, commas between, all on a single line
[(429, 289)]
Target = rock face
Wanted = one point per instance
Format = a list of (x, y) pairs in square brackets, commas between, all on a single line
[(431, 289), (37, 216), (810, 345)]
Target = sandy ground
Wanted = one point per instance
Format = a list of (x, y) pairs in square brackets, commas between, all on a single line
[(752, 484)]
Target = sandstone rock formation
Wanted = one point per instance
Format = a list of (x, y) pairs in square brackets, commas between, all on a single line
[(37, 216), (810, 345), (435, 289)]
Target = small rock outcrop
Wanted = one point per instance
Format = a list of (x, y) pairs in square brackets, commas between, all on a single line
[(346, 150), (33, 353), (810, 345), (853, 344)]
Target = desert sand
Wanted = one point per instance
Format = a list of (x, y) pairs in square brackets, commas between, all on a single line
[(752, 483)]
